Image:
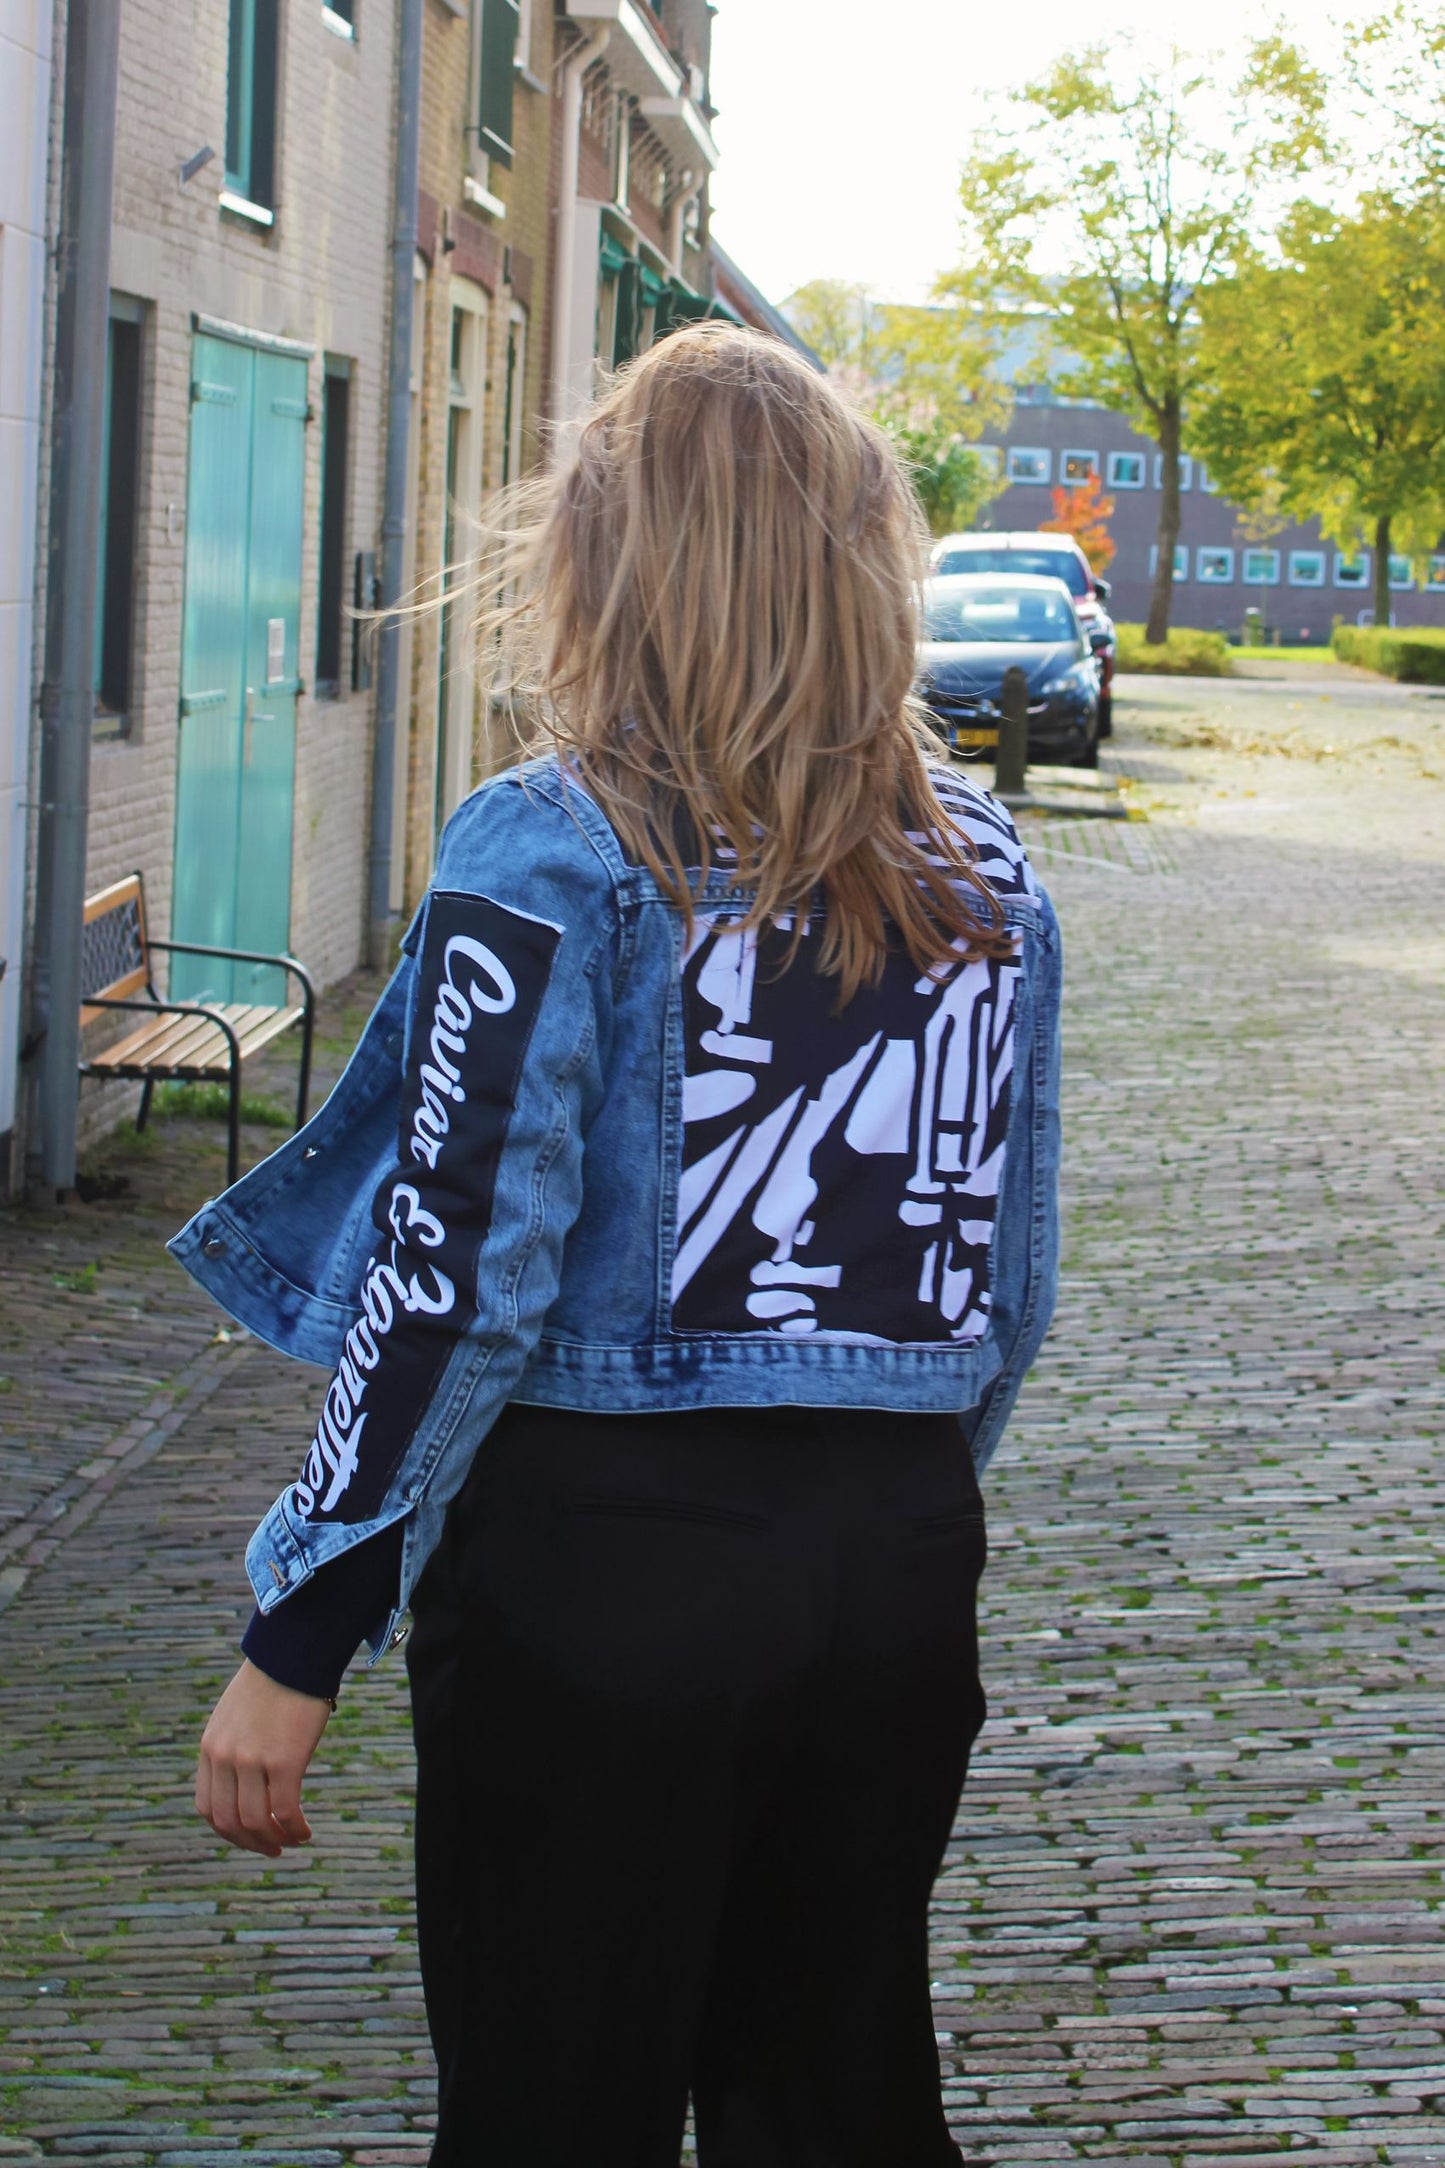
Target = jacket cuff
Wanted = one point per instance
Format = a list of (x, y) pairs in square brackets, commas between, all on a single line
[(307, 1642)]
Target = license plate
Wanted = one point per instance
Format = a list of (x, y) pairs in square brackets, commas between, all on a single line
[(975, 737)]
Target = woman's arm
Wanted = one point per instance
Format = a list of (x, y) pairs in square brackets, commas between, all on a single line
[(471, 1220)]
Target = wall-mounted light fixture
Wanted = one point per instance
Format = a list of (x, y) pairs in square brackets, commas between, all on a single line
[(191, 166)]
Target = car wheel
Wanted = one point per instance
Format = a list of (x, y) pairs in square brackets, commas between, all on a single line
[(1106, 716)]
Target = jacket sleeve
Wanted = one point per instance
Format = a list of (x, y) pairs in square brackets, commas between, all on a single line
[(1026, 1267), (470, 1219)]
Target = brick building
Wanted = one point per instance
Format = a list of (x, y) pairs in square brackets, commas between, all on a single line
[(565, 153), (562, 226), (1223, 566), (480, 344), (241, 476)]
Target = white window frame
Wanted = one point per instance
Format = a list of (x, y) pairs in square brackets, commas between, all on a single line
[(1402, 585), (1352, 573), (1256, 579), (1435, 575), (456, 701), (1186, 471), (1296, 578), (1207, 482), (1114, 478), (1203, 552), (1030, 451), (1069, 481), (1181, 560), (517, 330)]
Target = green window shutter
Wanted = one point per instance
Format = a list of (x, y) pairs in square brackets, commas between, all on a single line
[(498, 50)]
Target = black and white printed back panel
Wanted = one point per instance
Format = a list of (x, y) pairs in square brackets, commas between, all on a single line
[(841, 1171)]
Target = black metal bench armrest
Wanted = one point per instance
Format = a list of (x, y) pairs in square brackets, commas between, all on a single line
[(281, 963), (237, 956)]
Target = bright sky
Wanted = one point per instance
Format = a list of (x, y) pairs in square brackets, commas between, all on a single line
[(842, 127)]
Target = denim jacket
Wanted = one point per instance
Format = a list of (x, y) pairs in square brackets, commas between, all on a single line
[(581, 1161)]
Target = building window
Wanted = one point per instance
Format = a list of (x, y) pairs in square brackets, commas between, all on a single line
[(1186, 471), (1207, 482), (115, 585), (1126, 470), (1028, 463), (339, 16), (495, 26), (1214, 567), (1435, 572), (251, 104), (1076, 468), (1352, 571), (1306, 568), (335, 463), (1261, 568), (1181, 561), (1402, 573), (515, 399)]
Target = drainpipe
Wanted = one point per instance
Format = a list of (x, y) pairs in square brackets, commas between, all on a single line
[(692, 188), (574, 67), (394, 490), (67, 695)]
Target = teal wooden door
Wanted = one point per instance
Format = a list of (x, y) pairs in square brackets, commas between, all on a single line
[(239, 647)]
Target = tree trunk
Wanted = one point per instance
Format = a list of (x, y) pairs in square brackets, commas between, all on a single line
[(1161, 601), (1382, 570)]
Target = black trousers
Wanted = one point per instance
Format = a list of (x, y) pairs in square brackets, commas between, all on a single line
[(694, 1697)]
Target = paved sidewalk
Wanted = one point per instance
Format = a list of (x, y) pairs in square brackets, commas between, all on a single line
[(1192, 1912)]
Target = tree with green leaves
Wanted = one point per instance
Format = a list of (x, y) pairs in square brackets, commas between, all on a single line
[(1326, 388), (925, 375), (1112, 192)]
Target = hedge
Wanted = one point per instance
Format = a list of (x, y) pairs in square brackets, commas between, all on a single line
[(1417, 656), (1186, 652)]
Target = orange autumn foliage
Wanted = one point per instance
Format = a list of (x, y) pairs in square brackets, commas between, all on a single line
[(1084, 513)]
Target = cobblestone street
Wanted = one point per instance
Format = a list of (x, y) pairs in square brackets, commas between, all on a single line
[(1192, 1913)]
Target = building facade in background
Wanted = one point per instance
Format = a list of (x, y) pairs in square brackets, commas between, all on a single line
[(1225, 563), (245, 406), (562, 227)]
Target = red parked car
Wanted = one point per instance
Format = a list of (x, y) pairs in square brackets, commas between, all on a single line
[(1055, 556)]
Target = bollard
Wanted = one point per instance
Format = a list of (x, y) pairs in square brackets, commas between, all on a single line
[(1011, 759)]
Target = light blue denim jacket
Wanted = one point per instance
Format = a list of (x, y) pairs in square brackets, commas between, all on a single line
[(488, 1206)]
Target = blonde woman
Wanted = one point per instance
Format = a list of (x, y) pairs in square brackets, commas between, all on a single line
[(678, 1237)]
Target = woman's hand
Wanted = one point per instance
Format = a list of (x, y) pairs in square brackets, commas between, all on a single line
[(254, 1753)]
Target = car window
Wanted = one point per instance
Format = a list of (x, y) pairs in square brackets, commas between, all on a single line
[(979, 615), (1054, 564)]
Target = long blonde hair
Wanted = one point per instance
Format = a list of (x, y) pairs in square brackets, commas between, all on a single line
[(712, 610)]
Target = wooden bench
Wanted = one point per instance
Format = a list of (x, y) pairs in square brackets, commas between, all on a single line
[(195, 1042)]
